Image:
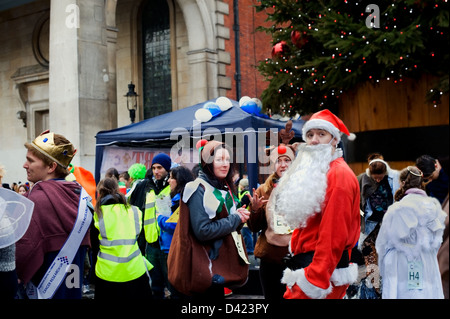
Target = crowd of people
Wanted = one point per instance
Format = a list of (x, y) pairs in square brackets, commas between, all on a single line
[(321, 232), (21, 188)]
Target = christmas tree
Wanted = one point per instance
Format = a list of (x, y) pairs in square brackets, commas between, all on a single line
[(323, 48)]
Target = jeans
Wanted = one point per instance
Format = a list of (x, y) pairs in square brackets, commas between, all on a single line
[(248, 239), (158, 274)]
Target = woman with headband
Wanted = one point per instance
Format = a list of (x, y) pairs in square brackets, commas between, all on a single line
[(207, 252), (378, 186), (409, 240)]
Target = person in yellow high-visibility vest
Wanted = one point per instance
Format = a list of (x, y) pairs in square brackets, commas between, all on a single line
[(244, 198), (152, 196), (121, 270)]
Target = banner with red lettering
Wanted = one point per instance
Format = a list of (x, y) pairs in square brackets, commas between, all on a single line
[(122, 158)]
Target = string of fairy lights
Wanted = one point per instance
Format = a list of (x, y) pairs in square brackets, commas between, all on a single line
[(327, 49)]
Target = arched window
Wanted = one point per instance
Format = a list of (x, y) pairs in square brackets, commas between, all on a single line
[(156, 42)]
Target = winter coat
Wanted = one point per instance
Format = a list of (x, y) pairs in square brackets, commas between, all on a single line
[(329, 234), (367, 187), (204, 228), (407, 246), (258, 222)]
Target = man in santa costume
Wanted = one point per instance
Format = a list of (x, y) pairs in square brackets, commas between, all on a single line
[(319, 197)]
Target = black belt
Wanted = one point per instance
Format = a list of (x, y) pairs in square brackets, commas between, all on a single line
[(303, 260)]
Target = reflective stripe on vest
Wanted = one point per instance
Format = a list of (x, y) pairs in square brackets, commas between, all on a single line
[(241, 196), (151, 229), (119, 259)]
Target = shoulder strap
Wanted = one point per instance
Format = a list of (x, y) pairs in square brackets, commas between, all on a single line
[(57, 270)]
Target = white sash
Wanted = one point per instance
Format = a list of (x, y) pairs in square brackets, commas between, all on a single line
[(57, 270)]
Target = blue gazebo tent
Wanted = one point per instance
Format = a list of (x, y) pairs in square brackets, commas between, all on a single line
[(161, 130)]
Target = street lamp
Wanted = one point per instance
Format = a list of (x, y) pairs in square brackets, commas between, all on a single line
[(22, 115), (131, 101)]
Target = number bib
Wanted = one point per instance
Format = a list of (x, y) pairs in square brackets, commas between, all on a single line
[(415, 275), (280, 226)]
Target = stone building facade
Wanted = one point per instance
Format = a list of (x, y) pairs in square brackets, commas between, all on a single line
[(65, 65)]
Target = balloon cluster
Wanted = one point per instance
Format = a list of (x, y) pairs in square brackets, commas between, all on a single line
[(212, 109), (251, 105)]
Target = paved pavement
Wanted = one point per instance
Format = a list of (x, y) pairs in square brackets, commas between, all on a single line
[(237, 296), (233, 296), (252, 290)]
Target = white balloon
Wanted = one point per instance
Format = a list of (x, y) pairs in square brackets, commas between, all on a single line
[(224, 103), (203, 115), (244, 99)]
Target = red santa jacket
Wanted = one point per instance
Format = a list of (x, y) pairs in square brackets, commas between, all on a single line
[(328, 234)]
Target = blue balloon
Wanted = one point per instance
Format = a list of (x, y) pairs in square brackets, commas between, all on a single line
[(213, 108), (258, 103), (250, 107)]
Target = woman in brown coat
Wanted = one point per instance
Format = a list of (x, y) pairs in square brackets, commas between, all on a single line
[(273, 242)]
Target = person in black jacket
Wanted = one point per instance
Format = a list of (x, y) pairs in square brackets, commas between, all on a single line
[(435, 177), (155, 180), (137, 198)]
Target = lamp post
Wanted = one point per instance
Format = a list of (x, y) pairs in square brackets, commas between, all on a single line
[(131, 101), (22, 115)]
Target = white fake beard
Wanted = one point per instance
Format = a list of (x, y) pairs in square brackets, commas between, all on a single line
[(301, 190)]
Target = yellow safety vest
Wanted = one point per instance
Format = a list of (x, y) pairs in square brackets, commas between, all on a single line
[(119, 258), (241, 195), (151, 228)]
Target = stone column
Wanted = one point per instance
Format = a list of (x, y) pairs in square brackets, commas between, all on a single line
[(203, 68), (79, 75), (64, 90)]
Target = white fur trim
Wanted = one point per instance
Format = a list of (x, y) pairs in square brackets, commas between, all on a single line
[(292, 277), (302, 188), (345, 276), (322, 125)]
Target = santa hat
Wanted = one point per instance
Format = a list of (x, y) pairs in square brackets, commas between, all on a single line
[(325, 120)]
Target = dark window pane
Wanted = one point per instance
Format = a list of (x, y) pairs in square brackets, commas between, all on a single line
[(156, 54)]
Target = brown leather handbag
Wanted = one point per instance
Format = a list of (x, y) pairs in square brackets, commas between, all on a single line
[(191, 271)]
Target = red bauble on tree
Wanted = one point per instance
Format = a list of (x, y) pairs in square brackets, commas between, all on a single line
[(280, 50), (298, 38)]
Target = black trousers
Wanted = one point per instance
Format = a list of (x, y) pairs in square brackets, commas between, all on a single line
[(130, 290), (270, 275), (8, 285)]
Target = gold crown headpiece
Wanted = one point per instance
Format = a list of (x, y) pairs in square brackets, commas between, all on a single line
[(61, 154)]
